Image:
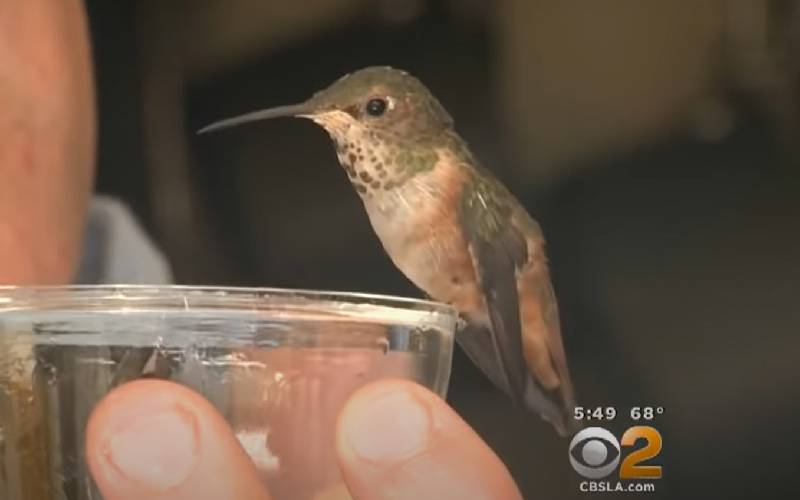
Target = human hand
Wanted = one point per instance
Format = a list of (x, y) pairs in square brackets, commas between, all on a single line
[(156, 440)]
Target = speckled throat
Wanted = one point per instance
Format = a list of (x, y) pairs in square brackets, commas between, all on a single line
[(376, 160)]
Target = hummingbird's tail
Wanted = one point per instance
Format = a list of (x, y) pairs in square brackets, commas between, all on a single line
[(552, 408), (549, 389), (555, 406)]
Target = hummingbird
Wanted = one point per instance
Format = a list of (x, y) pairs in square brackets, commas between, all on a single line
[(450, 226)]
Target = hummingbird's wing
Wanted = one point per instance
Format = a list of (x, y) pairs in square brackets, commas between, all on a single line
[(477, 341), (497, 251), (508, 257)]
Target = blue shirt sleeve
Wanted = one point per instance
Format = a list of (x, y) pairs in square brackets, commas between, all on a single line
[(117, 250)]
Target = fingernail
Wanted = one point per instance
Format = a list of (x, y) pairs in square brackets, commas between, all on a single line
[(156, 451), (388, 426)]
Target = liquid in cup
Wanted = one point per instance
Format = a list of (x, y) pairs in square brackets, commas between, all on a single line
[(278, 365)]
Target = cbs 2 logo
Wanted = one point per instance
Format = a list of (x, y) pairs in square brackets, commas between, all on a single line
[(594, 453)]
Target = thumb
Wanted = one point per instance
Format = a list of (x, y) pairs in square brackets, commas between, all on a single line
[(156, 440), (397, 440)]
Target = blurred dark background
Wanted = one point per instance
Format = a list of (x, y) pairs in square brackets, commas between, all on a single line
[(656, 143)]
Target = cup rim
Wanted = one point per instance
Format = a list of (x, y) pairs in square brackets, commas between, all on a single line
[(50, 297)]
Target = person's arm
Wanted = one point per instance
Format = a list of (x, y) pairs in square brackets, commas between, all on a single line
[(47, 139)]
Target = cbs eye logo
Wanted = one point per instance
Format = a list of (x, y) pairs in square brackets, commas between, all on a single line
[(594, 453)]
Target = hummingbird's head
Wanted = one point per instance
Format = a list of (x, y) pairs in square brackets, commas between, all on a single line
[(374, 99), (379, 99), (385, 124)]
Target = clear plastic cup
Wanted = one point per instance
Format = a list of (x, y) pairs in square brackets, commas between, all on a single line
[(278, 365)]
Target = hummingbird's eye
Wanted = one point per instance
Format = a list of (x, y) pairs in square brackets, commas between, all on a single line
[(376, 107)]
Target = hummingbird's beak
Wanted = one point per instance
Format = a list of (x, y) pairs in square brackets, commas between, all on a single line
[(302, 109)]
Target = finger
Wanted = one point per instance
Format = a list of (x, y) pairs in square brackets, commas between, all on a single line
[(397, 440), (154, 440), (302, 414)]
